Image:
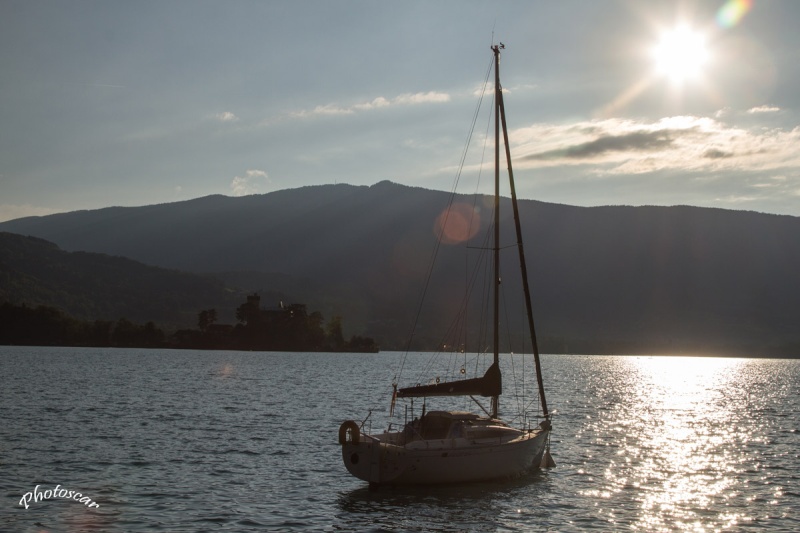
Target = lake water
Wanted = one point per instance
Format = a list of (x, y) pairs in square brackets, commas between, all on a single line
[(235, 441)]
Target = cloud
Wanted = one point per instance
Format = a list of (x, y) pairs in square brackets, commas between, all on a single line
[(734, 199), (376, 103), (431, 97), (249, 183), (636, 141), (12, 211), (368, 106), (681, 143), (226, 116), (714, 153), (764, 109)]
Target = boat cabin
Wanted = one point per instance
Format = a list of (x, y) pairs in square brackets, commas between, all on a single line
[(436, 425)]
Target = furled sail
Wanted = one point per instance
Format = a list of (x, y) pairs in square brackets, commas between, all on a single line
[(490, 384)]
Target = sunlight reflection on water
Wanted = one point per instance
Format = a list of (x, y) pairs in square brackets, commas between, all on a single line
[(683, 428)]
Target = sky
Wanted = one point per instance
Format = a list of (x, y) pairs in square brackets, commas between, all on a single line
[(113, 102)]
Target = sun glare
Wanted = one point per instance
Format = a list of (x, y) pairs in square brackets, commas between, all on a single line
[(681, 54)]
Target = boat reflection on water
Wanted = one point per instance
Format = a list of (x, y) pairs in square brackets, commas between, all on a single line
[(486, 506), (684, 430)]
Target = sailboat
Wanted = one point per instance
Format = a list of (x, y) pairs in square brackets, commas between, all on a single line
[(454, 446)]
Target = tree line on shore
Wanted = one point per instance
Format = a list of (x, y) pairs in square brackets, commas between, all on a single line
[(49, 326), (285, 328)]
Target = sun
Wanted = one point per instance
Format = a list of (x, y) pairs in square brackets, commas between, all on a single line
[(681, 54)]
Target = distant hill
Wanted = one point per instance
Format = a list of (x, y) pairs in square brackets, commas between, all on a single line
[(92, 286), (605, 279)]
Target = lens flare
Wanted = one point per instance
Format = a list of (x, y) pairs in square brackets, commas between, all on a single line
[(732, 12), (457, 224)]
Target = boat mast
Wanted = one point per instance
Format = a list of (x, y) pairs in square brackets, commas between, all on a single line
[(496, 340), (501, 116)]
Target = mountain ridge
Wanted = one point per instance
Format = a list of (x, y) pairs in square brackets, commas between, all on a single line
[(656, 278)]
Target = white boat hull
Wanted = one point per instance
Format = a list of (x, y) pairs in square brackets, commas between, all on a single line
[(444, 461)]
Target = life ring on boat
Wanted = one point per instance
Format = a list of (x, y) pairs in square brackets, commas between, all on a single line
[(351, 427)]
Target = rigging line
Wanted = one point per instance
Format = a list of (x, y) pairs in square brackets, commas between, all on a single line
[(471, 284), (471, 130), (486, 133), (476, 194), (474, 399), (441, 230), (490, 248), (509, 341), (485, 293), (481, 265), (459, 321), (522, 356)]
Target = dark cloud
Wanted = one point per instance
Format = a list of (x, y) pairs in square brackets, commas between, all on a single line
[(637, 141), (713, 153)]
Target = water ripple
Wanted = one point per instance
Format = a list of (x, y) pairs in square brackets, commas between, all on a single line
[(230, 441)]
